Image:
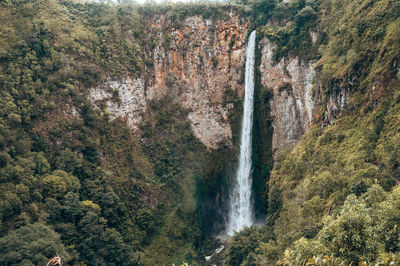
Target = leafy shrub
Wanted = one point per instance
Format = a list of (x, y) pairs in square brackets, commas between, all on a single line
[(33, 244)]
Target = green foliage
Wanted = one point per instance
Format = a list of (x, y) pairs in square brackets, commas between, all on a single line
[(350, 236), (193, 181), (242, 247), (117, 200), (239, 247), (59, 183), (355, 155), (290, 25), (314, 180), (364, 227), (359, 47), (177, 12), (177, 158), (33, 244), (80, 172)]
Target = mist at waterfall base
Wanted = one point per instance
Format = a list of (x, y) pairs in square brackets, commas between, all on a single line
[(241, 213)]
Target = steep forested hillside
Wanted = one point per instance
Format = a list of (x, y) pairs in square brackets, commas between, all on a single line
[(333, 199), (76, 183), (73, 183)]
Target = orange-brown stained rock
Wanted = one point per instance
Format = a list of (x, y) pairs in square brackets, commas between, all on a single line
[(200, 61), (196, 67)]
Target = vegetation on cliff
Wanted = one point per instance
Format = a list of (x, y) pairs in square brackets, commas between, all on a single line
[(76, 184), (334, 195), (72, 181)]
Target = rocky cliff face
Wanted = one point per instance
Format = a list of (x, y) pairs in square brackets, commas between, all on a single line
[(292, 104), (336, 103), (195, 63), (124, 99)]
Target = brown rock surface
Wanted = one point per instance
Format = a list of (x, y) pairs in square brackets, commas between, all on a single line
[(194, 63)]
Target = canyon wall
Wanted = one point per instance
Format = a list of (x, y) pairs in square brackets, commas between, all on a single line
[(196, 61), (292, 103)]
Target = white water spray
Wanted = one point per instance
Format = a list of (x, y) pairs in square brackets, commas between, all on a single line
[(241, 210)]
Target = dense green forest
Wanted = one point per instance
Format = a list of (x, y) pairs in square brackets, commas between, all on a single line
[(76, 184), (72, 182)]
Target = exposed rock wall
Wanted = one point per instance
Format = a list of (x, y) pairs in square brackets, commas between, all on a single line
[(292, 105), (123, 99), (202, 59), (336, 103), (197, 61), (194, 63)]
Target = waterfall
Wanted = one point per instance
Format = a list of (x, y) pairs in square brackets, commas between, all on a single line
[(241, 210)]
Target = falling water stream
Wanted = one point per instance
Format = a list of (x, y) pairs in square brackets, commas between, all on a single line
[(241, 212)]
